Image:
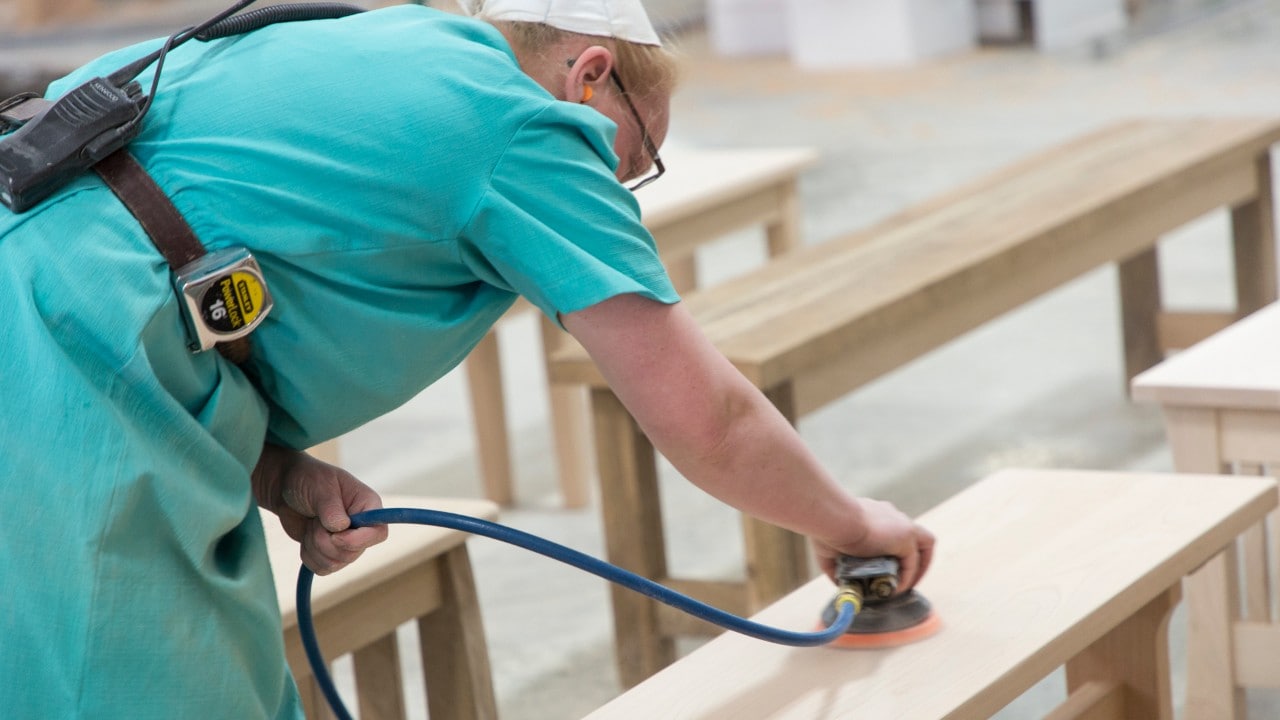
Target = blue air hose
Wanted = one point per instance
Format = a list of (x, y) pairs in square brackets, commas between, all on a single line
[(849, 604)]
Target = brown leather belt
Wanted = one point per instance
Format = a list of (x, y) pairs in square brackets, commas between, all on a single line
[(166, 227)]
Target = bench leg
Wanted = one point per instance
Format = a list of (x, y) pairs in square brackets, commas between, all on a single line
[(378, 683), (1213, 602), (633, 535), (1254, 245), (1135, 655), (1213, 599), (1139, 312), (314, 704), (571, 425), (455, 658), (489, 412)]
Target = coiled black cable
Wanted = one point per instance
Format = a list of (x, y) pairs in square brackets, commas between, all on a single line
[(260, 18)]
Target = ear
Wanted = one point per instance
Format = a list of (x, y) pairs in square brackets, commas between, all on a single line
[(587, 72)]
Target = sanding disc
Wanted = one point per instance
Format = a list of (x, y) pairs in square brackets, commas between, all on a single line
[(899, 620)]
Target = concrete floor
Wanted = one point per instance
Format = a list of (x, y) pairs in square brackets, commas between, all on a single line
[(1041, 387)]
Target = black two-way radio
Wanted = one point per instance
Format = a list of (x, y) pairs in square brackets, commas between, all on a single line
[(223, 295), (53, 142)]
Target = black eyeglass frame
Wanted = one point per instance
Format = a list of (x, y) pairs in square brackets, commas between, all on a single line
[(645, 139)]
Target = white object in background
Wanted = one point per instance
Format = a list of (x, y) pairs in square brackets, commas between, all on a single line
[(1062, 24), (747, 27), (877, 33)]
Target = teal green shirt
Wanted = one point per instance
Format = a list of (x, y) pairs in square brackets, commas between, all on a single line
[(401, 182)]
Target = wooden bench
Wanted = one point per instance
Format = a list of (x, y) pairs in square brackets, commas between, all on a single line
[(1221, 404), (704, 196), (420, 574), (1034, 569), (824, 319)]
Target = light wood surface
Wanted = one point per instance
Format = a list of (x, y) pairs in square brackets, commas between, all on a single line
[(419, 574), (704, 196), (824, 319), (1238, 367), (1221, 404), (1034, 569)]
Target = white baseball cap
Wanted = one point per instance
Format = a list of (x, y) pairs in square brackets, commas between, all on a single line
[(619, 19)]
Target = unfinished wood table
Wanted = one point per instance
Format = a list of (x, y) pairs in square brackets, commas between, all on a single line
[(1034, 569), (420, 574), (1221, 405), (825, 319), (704, 196)]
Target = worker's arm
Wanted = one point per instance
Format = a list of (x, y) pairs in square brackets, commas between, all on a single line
[(722, 433), (315, 501)]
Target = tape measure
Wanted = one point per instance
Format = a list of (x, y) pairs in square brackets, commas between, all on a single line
[(224, 297)]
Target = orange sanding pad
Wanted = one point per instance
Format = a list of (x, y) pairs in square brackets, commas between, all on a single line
[(894, 638)]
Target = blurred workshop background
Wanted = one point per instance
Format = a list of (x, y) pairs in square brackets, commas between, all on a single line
[(901, 100)]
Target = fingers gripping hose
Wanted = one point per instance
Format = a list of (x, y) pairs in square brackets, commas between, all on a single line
[(849, 601)]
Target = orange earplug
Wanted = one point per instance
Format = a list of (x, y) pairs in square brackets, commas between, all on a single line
[(587, 93)]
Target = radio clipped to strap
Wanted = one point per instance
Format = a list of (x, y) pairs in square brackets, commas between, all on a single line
[(223, 294)]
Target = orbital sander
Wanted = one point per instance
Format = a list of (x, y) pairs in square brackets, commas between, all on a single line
[(883, 619)]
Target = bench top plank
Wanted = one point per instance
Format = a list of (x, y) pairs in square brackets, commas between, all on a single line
[(1032, 566), (1236, 367), (405, 547), (976, 252)]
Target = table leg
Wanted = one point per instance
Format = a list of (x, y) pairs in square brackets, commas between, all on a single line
[(633, 532), (489, 413), (777, 560), (571, 426), (327, 451), (1253, 238), (683, 273), (1140, 306), (785, 234), (1134, 654)]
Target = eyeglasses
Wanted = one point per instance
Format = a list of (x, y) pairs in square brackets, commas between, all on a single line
[(658, 168)]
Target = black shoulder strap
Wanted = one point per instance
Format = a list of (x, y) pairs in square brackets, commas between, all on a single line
[(166, 227)]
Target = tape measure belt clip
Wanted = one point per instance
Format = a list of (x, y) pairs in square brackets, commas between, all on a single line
[(224, 297)]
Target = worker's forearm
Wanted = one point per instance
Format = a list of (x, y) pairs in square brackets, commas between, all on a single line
[(750, 457)]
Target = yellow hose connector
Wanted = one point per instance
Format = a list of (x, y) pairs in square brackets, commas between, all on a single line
[(848, 595)]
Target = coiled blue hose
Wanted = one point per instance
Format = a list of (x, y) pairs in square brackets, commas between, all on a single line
[(542, 546)]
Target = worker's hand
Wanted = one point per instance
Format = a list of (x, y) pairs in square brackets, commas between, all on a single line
[(315, 501), (883, 530)]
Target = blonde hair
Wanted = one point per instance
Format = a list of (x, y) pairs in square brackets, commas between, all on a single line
[(646, 70)]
